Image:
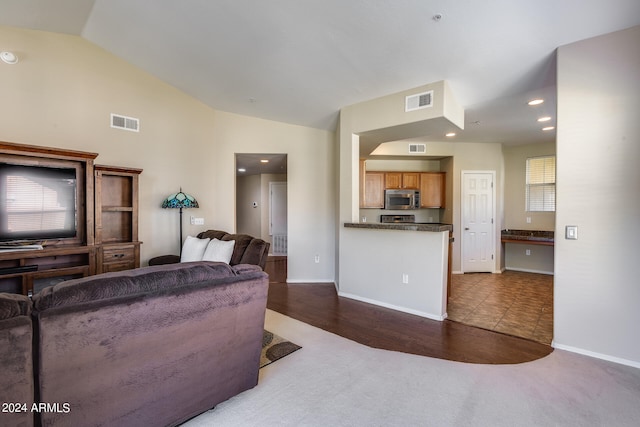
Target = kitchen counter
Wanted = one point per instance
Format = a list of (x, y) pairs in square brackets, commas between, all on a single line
[(392, 265), (532, 237), (432, 226)]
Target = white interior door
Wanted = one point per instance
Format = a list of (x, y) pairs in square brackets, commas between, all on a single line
[(478, 213)]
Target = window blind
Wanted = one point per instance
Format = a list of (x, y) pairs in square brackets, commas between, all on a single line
[(541, 184)]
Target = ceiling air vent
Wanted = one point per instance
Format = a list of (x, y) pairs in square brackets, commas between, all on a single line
[(417, 148), (125, 123), (418, 101)]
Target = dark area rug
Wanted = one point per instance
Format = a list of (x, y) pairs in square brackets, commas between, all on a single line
[(275, 347)]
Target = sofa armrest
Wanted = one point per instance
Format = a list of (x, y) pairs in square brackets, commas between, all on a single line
[(164, 259)]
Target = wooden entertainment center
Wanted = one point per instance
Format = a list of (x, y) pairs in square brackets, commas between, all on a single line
[(106, 223)]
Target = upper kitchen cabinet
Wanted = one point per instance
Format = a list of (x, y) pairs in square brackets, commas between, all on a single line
[(432, 190), (373, 192), (401, 180)]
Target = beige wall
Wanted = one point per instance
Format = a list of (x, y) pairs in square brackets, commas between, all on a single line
[(598, 147), (515, 215), (248, 217), (62, 92), (310, 188)]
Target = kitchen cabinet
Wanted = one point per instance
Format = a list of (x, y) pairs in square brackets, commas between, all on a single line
[(116, 218), (432, 189), (402, 180), (373, 190)]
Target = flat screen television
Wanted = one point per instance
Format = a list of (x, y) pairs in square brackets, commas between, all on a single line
[(38, 202)]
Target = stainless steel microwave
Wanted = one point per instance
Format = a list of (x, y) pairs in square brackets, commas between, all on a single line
[(401, 199)]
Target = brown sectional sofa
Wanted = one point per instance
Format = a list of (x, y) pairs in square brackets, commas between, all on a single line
[(247, 249), (151, 346), (16, 360)]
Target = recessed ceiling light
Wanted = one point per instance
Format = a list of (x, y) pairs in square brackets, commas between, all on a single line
[(450, 134), (549, 128), (544, 119), (264, 161), (535, 102), (9, 57), (242, 170)]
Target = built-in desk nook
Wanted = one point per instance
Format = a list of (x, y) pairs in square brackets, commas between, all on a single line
[(528, 250)]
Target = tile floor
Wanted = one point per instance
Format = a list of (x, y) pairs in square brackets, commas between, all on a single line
[(513, 303)]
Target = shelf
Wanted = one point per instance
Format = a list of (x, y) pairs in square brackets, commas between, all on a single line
[(117, 209)]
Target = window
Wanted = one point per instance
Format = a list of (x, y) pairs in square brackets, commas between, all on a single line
[(541, 184)]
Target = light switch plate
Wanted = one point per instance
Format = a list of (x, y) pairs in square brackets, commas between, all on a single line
[(571, 232)]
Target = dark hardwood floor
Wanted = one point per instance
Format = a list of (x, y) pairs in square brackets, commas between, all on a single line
[(379, 327)]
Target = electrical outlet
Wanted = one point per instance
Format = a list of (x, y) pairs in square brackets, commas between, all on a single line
[(405, 278), (528, 220), (527, 252), (317, 259)]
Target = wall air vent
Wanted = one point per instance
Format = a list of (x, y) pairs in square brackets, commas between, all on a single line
[(417, 148), (418, 101), (125, 123)]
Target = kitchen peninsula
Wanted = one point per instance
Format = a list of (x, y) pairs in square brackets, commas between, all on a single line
[(402, 266)]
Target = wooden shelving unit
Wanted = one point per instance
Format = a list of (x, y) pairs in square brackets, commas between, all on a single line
[(106, 237), (29, 271), (116, 218)]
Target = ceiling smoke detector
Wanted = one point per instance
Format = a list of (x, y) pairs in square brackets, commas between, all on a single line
[(437, 17), (9, 57)]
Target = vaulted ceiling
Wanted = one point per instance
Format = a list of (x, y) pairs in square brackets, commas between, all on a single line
[(301, 61)]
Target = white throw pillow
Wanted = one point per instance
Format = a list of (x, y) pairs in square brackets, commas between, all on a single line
[(193, 249), (219, 250)]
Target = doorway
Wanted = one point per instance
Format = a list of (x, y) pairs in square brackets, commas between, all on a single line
[(261, 204), (478, 228), (514, 302)]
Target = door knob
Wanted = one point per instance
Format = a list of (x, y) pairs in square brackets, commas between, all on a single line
[(466, 228)]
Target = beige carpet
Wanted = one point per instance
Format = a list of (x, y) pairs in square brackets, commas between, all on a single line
[(333, 381)]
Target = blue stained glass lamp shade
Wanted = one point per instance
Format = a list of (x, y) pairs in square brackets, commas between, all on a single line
[(180, 200)]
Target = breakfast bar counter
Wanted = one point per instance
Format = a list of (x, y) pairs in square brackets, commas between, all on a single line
[(426, 226), (402, 266)]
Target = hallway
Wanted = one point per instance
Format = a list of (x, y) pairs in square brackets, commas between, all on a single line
[(513, 303)]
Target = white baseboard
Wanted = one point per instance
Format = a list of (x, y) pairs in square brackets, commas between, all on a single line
[(462, 272), (310, 281), (589, 353), (526, 270), (394, 307)]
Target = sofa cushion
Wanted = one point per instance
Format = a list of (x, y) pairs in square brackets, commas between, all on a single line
[(219, 251), (255, 253), (129, 282), (242, 242), (193, 249), (13, 305), (212, 234)]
